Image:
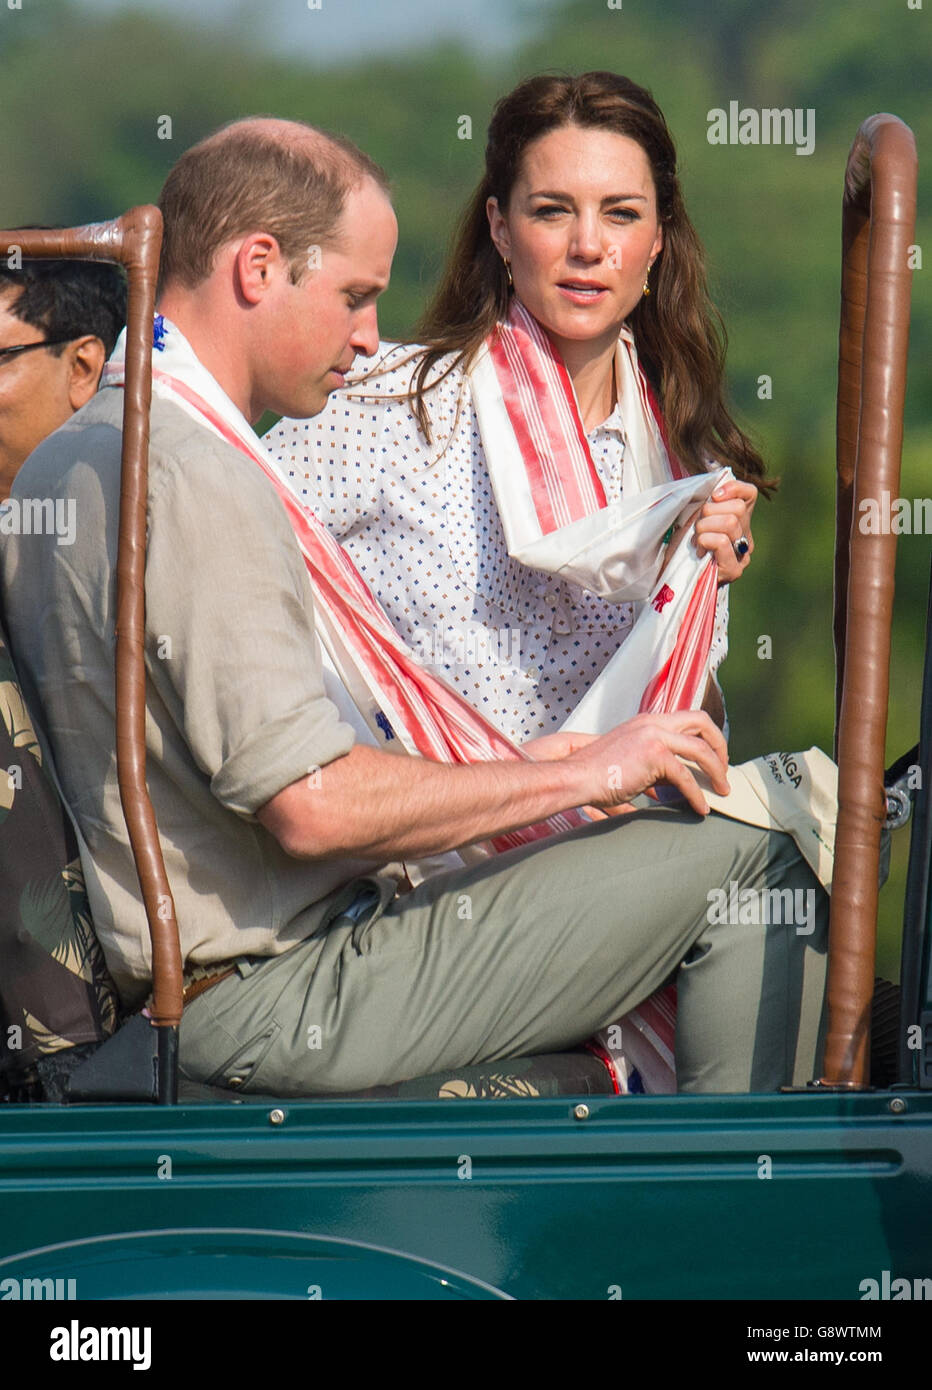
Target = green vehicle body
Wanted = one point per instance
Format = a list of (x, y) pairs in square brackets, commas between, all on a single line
[(672, 1197)]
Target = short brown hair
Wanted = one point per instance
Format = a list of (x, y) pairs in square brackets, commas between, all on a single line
[(259, 174)]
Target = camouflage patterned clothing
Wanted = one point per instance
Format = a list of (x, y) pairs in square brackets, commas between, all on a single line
[(54, 987)]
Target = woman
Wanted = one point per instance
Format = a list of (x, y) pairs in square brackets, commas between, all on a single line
[(576, 245), (497, 487)]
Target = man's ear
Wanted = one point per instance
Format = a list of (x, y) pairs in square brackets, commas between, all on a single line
[(498, 228), (255, 265), (87, 356)]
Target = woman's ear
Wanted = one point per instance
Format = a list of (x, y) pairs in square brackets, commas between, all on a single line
[(498, 228)]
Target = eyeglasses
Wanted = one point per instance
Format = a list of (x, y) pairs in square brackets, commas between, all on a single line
[(8, 352)]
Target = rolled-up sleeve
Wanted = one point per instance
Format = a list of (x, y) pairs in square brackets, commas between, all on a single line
[(231, 645)]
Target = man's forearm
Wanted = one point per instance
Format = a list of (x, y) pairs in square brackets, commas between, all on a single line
[(383, 806)]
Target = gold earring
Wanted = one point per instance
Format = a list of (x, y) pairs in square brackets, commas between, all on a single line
[(646, 286), (511, 282)]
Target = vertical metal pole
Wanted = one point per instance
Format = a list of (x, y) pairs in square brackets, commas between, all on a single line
[(878, 228)]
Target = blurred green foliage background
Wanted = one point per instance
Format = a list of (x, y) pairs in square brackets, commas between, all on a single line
[(80, 100)]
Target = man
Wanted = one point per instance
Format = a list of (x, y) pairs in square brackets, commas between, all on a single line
[(59, 321), (307, 971)]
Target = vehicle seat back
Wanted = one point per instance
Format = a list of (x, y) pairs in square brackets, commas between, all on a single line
[(576, 1073)]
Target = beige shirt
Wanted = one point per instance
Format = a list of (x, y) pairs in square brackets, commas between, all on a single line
[(236, 708)]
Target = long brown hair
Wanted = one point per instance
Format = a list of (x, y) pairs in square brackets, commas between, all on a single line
[(679, 335)]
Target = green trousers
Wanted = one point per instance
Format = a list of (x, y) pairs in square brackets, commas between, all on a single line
[(533, 951)]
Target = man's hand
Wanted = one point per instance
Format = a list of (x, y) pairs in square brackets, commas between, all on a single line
[(649, 749), (546, 748), (725, 519)]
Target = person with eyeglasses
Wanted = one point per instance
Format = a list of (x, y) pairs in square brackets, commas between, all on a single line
[(59, 321)]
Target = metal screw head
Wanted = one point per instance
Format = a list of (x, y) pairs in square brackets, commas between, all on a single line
[(897, 1105), (899, 807), (276, 1117), (581, 1112)]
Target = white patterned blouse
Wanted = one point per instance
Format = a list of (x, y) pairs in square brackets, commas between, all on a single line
[(421, 524)]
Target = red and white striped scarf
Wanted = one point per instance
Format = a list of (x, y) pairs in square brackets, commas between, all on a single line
[(556, 516)]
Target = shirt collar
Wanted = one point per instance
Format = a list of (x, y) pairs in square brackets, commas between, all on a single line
[(614, 424)]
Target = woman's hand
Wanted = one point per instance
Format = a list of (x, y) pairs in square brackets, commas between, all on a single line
[(725, 519)]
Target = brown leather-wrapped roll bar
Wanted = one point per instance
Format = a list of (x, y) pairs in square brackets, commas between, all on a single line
[(878, 221), (133, 241)]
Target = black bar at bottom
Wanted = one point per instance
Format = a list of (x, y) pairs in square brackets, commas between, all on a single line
[(168, 1066)]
